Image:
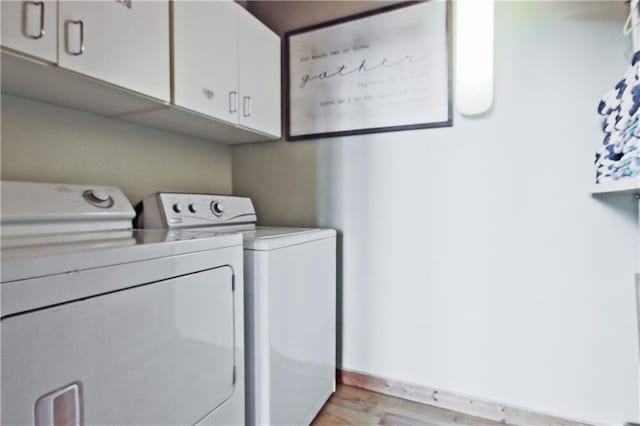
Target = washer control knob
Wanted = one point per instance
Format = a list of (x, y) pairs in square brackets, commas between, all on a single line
[(98, 198), (217, 208), (177, 207), (192, 208)]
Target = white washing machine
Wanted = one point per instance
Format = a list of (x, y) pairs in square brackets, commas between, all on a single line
[(290, 302), (105, 325)]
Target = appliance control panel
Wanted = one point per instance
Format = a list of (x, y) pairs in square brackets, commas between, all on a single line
[(179, 210), (48, 208)]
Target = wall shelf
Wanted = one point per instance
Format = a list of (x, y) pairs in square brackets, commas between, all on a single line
[(629, 186)]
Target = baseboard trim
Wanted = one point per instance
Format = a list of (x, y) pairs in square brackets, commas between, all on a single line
[(452, 401)]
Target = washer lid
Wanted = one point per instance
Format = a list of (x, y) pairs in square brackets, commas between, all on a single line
[(265, 238)]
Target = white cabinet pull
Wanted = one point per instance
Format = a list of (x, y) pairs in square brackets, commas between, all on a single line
[(68, 23), (233, 101), (61, 407), (246, 106), (25, 7)]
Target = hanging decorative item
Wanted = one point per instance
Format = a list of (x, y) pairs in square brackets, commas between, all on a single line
[(619, 155), (474, 20), (380, 71)]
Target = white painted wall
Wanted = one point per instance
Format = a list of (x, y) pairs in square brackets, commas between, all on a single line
[(473, 258), (46, 143)]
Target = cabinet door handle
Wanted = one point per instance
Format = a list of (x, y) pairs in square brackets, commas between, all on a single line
[(233, 101), (25, 7), (68, 23), (246, 106)]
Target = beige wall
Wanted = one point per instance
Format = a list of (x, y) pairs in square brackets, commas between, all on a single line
[(473, 258), (42, 142)]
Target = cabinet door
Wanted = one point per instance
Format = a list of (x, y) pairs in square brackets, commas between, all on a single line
[(205, 57), (124, 42), (259, 70), (30, 27)]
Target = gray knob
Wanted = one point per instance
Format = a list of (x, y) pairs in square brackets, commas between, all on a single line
[(177, 207), (99, 195), (192, 208), (217, 208), (98, 198)]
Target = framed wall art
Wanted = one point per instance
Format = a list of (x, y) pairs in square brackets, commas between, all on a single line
[(379, 71)]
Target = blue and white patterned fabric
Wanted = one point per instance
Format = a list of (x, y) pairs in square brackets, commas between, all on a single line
[(619, 155)]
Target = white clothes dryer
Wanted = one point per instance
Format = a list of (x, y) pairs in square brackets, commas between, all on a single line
[(102, 324), (290, 302)]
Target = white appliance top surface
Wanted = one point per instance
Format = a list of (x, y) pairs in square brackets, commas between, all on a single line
[(27, 257), (264, 238)]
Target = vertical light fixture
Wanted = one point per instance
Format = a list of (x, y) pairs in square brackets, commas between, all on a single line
[(474, 23)]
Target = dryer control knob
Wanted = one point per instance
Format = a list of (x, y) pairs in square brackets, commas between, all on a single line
[(100, 195), (98, 198), (217, 208), (192, 208), (177, 207)]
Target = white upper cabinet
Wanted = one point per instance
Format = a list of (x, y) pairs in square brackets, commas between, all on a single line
[(226, 64), (205, 57), (123, 42), (259, 70), (206, 68), (30, 27)]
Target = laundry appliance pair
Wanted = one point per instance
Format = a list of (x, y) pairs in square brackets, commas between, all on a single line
[(105, 324)]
